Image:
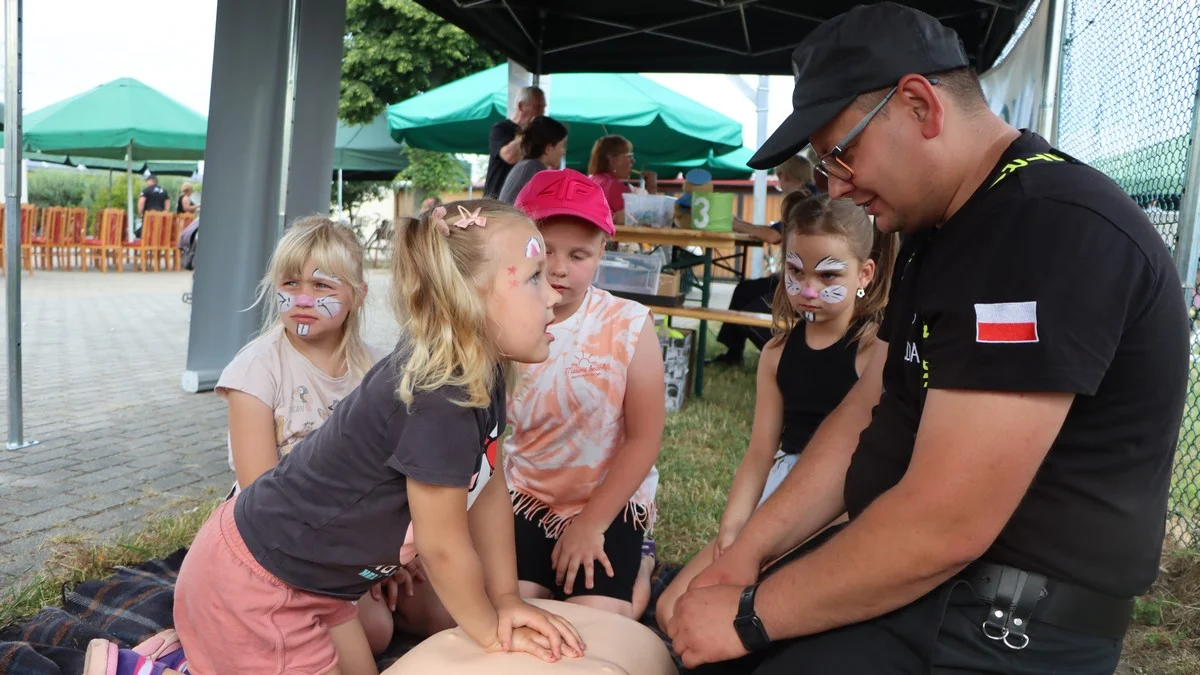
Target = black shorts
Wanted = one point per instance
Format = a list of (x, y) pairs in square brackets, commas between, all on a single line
[(622, 545)]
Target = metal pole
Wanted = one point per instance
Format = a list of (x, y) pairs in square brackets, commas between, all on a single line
[(128, 190), (1052, 71), (1187, 244), (339, 193), (289, 111), (12, 213), (761, 99)]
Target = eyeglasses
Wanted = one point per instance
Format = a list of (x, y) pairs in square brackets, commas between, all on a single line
[(831, 164)]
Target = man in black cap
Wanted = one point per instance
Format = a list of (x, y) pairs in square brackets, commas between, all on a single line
[(153, 198), (1005, 459)]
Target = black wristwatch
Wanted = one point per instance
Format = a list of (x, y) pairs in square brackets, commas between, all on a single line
[(747, 624)]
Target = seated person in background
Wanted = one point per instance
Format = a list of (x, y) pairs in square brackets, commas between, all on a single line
[(610, 166), (543, 146), (755, 295)]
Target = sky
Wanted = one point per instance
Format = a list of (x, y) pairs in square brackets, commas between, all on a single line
[(71, 46)]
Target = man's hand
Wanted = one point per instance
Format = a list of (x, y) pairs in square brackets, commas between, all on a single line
[(513, 613), (702, 629), (581, 545), (733, 567), (651, 179)]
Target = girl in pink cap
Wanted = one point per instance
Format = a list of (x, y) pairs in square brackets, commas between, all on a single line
[(588, 421)]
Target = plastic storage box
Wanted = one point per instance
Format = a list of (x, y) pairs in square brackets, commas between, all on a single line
[(649, 210), (629, 272)]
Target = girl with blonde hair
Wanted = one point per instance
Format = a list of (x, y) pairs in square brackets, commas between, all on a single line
[(402, 467)]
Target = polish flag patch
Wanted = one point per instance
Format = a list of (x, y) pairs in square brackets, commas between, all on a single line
[(1006, 322)]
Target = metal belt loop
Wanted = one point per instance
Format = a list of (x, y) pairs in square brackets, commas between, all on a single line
[(1008, 590), (1033, 590)]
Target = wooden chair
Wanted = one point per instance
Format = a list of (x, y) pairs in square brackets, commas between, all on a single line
[(76, 233), (152, 248), (28, 219), (51, 245), (182, 220), (106, 245)]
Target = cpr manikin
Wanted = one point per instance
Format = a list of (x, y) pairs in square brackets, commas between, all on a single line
[(615, 646)]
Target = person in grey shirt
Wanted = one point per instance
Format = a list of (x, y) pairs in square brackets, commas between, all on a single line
[(543, 146)]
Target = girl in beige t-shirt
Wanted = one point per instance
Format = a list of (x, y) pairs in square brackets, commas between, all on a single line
[(309, 356)]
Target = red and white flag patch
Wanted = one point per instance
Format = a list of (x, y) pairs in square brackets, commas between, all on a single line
[(1006, 322)]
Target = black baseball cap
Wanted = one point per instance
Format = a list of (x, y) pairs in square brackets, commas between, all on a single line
[(868, 48)]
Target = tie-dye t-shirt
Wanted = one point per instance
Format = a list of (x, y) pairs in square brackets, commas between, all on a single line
[(568, 415), (301, 395)]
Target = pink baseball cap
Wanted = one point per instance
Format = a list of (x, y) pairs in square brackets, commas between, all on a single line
[(565, 192)]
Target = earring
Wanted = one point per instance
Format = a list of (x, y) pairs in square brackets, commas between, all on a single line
[(860, 293)]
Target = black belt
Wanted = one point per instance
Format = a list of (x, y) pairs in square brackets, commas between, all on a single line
[(1016, 596)]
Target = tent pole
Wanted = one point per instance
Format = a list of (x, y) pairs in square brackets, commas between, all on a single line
[(761, 99), (128, 190), (289, 112), (12, 213), (339, 193)]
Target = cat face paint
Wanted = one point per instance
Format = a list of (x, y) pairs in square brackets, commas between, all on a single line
[(809, 317), (792, 286), (318, 274), (533, 248), (831, 264), (301, 329), (285, 301), (331, 306), (833, 294), (794, 259)]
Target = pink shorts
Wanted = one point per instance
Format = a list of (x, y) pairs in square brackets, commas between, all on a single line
[(233, 616)]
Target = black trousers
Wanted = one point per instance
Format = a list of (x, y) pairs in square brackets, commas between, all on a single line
[(751, 295), (940, 634)]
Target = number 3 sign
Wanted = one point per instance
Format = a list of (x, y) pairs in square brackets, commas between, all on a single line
[(712, 211)]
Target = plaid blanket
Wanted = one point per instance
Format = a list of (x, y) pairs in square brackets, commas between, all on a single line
[(128, 607)]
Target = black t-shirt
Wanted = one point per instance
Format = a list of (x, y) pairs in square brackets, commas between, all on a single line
[(833, 369), (1048, 279), (332, 516), (503, 132), (156, 198)]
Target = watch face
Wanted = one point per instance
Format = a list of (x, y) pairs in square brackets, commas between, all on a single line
[(751, 632)]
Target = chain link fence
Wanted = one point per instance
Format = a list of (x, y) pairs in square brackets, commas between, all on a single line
[(1126, 107)]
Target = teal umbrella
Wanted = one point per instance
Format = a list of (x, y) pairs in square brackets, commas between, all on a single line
[(368, 148), (122, 119), (662, 125), (730, 166)]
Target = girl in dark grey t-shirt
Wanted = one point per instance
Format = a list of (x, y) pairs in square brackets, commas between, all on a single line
[(268, 583), (543, 146)]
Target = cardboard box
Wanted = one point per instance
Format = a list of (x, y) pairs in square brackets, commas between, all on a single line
[(677, 347), (668, 284)]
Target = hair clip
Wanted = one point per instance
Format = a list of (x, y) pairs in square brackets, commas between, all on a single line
[(438, 217), (467, 219)]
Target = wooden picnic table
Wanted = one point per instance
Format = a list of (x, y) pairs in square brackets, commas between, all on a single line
[(683, 237)]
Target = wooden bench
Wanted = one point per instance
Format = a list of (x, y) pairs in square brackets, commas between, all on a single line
[(755, 319)]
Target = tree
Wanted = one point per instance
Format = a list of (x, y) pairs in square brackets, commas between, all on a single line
[(433, 173), (396, 49), (355, 193)]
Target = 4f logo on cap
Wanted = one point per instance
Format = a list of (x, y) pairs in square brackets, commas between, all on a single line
[(1006, 322)]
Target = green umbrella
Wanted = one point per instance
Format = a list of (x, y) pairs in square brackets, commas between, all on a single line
[(368, 150), (122, 119), (662, 125), (730, 166), (113, 118)]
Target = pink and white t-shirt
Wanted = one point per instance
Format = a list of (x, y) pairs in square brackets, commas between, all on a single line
[(568, 415), (614, 189)]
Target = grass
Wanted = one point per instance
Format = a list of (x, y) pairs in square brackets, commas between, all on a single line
[(74, 559), (702, 446)]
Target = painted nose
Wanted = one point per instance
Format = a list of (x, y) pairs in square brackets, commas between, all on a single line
[(305, 301), (808, 292)]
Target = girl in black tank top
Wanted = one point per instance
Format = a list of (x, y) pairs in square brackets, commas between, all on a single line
[(836, 274)]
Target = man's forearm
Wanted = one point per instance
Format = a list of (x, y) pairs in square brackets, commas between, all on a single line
[(811, 496), (880, 562)]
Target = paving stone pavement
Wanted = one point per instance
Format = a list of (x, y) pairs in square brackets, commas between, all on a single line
[(119, 439)]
